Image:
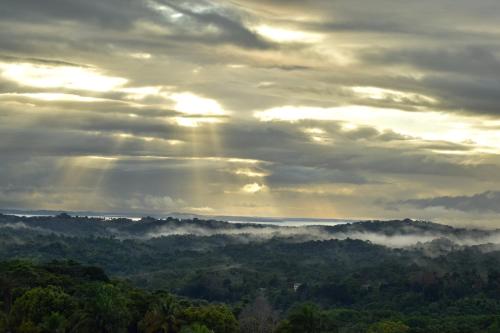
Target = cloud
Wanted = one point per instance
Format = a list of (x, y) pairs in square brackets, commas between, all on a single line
[(230, 29), (294, 175), (332, 108), (253, 188), (155, 203), (486, 202), (109, 14), (67, 77)]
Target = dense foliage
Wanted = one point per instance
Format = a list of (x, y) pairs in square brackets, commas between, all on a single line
[(68, 297), (224, 280)]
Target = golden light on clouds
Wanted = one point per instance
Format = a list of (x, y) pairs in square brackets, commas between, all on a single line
[(286, 35), (199, 110), (317, 134), (251, 173), (54, 97), (195, 121), (56, 76), (253, 188), (250, 107), (389, 94), (140, 55), (192, 104), (77, 170), (94, 158), (426, 125), (140, 93)]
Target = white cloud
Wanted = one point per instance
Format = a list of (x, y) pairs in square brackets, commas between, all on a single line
[(280, 34), (389, 94), (140, 55), (192, 104), (250, 173), (208, 110), (426, 125), (253, 188), (56, 76)]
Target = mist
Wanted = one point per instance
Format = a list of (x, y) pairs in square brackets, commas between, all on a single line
[(405, 234)]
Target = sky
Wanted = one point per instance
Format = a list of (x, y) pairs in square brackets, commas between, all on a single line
[(315, 108)]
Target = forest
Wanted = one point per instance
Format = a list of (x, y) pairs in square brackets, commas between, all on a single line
[(85, 274)]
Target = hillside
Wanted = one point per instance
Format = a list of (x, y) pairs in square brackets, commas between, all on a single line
[(415, 272)]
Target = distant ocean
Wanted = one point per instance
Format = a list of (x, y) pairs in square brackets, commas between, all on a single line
[(294, 223), (285, 222)]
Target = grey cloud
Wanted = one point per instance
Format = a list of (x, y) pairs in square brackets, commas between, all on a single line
[(42, 61), (294, 175), (212, 51), (233, 29), (92, 133), (479, 95), (111, 13), (486, 202), (478, 60)]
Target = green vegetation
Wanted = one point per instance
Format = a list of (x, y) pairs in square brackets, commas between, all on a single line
[(57, 297), (54, 278)]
